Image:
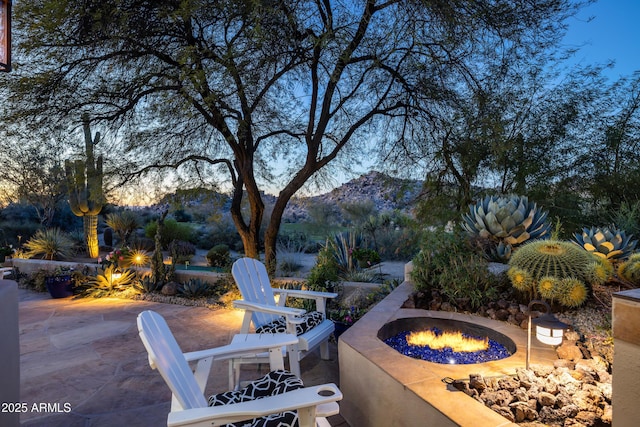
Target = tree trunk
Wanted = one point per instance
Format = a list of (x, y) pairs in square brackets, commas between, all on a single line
[(249, 232), (271, 233), (90, 223)]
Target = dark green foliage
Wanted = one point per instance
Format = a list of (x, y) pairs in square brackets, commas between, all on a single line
[(366, 257), (218, 231), (627, 217), (296, 242), (449, 265), (181, 215), (107, 236), (219, 256), (324, 274), (172, 230), (181, 250), (143, 243)]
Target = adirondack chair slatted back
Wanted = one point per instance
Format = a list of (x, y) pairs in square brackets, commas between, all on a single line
[(166, 356), (253, 281)]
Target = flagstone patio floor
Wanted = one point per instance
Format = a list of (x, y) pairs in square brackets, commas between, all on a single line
[(83, 364)]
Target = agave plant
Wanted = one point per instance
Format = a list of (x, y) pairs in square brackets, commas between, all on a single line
[(508, 221), (194, 288), (108, 282), (609, 243)]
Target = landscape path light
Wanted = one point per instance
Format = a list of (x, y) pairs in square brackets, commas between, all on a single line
[(549, 330)]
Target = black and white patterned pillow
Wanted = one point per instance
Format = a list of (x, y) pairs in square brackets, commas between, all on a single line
[(309, 321), (272, 384)]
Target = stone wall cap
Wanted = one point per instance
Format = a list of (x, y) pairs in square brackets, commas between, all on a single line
[(632, 295)]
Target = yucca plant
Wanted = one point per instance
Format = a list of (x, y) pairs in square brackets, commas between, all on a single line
[(609, 243), (123, 223), (506, 221), (342, 246), (50, 244)]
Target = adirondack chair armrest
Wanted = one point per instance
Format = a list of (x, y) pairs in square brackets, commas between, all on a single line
[(308, 397), (297, 293), (289, 312), (241, 348), (319, 297)]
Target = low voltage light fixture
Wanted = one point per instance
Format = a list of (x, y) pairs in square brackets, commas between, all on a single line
[(549, 330)]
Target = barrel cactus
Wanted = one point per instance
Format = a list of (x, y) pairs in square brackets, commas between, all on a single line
[(606, 242), (629, 270), (554, 270), (507, 221), (84, 181)]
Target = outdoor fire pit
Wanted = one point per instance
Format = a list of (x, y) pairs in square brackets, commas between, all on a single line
[(384, 387), (446, 341)]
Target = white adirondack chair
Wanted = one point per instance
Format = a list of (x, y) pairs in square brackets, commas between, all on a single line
[(189, 407), (261, 309)]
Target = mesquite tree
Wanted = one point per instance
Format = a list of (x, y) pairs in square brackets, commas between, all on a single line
[(84, 181), (227, 86)]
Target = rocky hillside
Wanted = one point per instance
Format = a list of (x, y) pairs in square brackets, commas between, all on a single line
[(385, 192)]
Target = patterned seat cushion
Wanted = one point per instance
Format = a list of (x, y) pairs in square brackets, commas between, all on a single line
[(272, 384), (309, 321)]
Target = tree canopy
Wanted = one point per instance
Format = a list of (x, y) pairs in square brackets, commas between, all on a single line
[(229, 86)]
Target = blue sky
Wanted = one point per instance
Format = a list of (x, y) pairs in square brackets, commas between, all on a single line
[(612, 34)]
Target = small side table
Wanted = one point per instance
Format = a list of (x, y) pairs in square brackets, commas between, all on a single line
[(277, 344)]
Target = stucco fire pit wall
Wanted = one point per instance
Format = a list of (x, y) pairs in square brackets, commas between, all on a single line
[(382, 387)]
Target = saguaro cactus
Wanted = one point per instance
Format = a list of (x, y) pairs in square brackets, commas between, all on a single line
[(84, 180)]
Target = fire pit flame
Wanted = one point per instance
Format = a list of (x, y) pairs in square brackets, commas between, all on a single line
[(454, 340)]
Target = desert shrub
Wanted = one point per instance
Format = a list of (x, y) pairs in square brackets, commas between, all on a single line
[(172, 230), (181, 215), (324, 274), (183, 251), (294, 242), (36, 281), (366, 257), (50, 244), (447, 264), (219, 256), (357, 213), (220, 231), (627, 217), (400, 244)]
